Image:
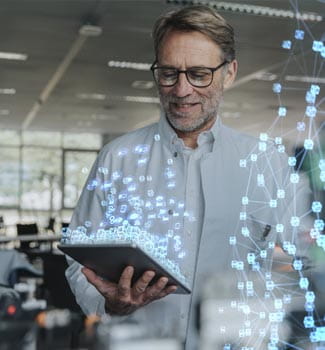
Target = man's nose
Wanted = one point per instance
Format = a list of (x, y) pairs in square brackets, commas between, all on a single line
[(182, 87)]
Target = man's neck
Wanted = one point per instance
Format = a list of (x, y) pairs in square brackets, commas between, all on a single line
[(190, 138)]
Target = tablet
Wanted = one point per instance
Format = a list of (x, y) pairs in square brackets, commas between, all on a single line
[(109, 260)]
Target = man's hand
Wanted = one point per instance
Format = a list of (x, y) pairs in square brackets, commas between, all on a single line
[(121, 298)]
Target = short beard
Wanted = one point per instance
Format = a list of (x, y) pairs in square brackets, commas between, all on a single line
[(197, 124)]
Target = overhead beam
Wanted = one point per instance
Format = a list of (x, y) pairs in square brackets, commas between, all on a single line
[(84, 33)]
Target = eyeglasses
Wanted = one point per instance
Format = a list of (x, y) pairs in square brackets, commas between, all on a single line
[(200, 77)]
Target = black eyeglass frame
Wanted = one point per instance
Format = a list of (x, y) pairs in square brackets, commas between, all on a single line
[(179, 71)]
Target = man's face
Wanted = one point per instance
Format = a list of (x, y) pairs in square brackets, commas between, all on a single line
[(189, 108)]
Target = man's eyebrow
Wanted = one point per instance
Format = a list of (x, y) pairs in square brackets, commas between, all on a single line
[(173, 67)]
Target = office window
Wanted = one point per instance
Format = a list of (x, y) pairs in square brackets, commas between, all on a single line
[(9, 138), (9, 170), (41, 178), (41, 138), (82, 141)]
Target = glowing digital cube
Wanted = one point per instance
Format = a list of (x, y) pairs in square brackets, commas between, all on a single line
[(263, 254), (263, 136), (240, 285), (301, 126), (303, 283), (316, 207), (317, 46), (242, 215), (321, 164), (310, 98), (310, 296), (250, 258), (309, 322), (299, 34), (244, 200), (277, 88), (260, 180), (280, 193), (273, 203), (311, 111), (281, 148), (286, 44), (309, 307), (315, 89), (269, 285), (295, 221), (253, 157), (309, 144), (245, 231), (282, 111), (319, 224), (297, 264), (232, 240), (278, 140), (262, 146), (292, 161), (294, 178), (318, 335), (242, 163)]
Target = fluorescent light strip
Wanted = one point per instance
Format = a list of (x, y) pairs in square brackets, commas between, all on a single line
[(129, 65), (101, 97), (254, 10), (304, 79), (7, 91), (141, 99), (13, 56), (93, 96)]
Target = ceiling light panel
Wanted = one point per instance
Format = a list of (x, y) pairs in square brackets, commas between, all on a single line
[(7, 91), (129, 65), (13, 56), (304, 79)]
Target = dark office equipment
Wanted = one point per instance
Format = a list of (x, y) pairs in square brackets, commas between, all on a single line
[(26, 229), (2, 225), (56, 288), (50, 226)]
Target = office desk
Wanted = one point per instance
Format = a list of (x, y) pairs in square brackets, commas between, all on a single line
[(39, 238)]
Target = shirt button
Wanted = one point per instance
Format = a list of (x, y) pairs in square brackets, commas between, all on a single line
[(175, 154), (170, 211)]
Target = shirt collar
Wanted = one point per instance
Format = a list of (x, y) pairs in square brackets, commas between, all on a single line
[(169, 135)]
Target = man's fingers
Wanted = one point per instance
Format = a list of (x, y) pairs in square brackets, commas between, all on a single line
[(142, 283), (103, 286), (166, 291), (124, 284), (153, 292)]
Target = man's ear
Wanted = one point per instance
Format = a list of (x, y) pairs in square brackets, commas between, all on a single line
[(230, 74)]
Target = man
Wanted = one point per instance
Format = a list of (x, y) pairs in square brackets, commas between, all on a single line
[(191, 162)]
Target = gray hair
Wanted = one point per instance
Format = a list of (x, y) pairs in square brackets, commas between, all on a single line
[(198, 18)]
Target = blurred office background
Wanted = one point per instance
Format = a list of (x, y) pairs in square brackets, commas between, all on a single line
[(74, 74)]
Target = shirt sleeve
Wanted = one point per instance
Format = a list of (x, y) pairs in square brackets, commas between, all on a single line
[(88, 214)]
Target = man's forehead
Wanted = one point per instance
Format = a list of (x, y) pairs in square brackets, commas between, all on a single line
[(191, 46)]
